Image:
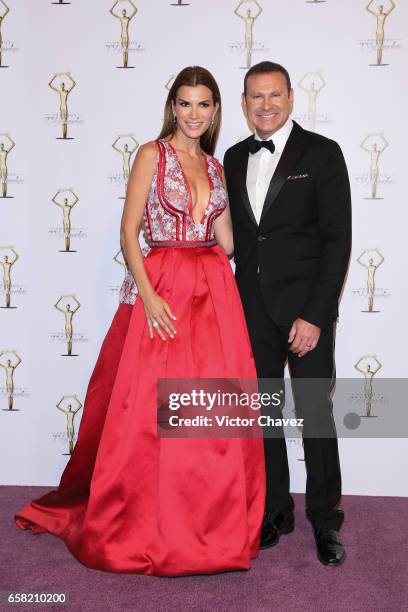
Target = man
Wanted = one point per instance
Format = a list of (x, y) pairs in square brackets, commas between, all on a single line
[(291, 213)]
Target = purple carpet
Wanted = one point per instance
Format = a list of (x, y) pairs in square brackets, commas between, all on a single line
[(288, 577)]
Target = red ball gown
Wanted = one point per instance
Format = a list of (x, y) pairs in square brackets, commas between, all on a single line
[(130, 500)]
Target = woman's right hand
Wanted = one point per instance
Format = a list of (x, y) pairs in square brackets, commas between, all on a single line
[(158, 315)]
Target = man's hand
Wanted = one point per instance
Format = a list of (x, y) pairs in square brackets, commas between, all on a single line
[(303, 337)]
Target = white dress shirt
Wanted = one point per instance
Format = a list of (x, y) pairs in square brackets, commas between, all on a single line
[(261, 167)]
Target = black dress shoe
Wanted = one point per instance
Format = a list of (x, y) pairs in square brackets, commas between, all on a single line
[(273, 525), (330, 550)]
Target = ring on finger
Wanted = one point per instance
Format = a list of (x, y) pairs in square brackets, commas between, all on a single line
[(163, 321), (155, 323)]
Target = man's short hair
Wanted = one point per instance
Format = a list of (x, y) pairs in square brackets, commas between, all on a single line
[(265, 68)]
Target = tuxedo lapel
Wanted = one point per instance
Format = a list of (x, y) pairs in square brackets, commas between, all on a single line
[(241, 168), (290, 155)]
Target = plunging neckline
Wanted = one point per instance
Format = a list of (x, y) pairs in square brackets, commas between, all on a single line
[(190, 196)]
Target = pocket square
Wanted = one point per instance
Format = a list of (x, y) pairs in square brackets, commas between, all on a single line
[(294, 177)]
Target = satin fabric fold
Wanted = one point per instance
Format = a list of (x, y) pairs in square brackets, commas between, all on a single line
[(129, 501)]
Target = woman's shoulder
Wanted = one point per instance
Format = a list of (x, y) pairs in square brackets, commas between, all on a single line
[(147, 157), (148, 150)]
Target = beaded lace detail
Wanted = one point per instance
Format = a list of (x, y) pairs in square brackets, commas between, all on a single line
[(168, 207)]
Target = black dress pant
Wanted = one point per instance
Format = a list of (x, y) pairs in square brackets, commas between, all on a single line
[(271, 352)]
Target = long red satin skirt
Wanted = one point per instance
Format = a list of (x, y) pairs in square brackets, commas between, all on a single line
[(130, 501)]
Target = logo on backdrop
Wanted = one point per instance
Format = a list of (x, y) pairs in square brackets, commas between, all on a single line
[(124, 11), (368, 366), (9, 369), (170, 81), (315, 1), (312, 83), (7, 263), (374, 144), (66, 207), (60, 2), (179, 3), (4, 10), (128, 145), (59, 84), (371, 260), (70, 413), (68, 311), (380, 10), (119, 259), (248, 11), (4, 151)]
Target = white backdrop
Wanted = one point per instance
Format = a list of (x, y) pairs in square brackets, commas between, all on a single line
[(335, 38)]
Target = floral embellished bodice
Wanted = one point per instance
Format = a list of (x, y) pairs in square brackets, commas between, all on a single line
[(169, 213), (169, 209)]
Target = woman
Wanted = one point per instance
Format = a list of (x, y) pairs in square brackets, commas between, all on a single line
[(128, 500)]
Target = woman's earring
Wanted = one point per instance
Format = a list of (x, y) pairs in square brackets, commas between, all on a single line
[(175, 118), (212, 121)]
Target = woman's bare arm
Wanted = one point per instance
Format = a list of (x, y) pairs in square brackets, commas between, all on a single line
[(139, 183), (223, 232), (223, 228), (158, 312)]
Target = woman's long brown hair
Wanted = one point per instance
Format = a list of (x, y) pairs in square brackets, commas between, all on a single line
[(193, 76)]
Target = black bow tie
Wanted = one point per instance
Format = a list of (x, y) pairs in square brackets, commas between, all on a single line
[(256, 145)]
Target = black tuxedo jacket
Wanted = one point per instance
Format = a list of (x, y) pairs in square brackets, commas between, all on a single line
[(302, 243)]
